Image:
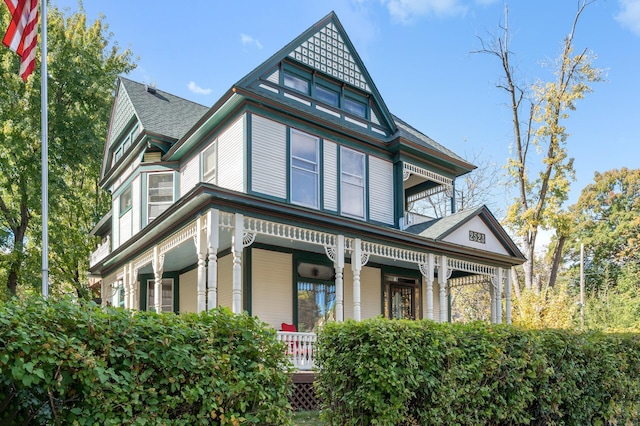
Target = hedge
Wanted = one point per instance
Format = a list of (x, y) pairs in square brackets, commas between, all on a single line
[(67, 363), (381, 372)]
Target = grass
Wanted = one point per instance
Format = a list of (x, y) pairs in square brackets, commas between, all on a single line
[(309, 418)]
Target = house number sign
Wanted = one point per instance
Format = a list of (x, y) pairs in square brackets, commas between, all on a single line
[(477, 237)]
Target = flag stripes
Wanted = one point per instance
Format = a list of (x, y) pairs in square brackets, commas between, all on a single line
[(22, 33)]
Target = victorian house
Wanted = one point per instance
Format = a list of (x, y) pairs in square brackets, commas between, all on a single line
[(289, 198)]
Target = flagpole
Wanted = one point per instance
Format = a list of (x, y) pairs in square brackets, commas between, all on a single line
[(45, 151)]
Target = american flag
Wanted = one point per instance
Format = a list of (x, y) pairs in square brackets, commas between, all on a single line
[(22, 33)]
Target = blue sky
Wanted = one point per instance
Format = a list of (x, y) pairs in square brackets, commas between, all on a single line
[(419, 54)]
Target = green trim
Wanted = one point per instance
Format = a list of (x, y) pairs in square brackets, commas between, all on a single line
[(247, 279), (306, 257), (321, 173), (143, 280)]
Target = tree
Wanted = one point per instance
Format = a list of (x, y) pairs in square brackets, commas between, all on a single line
[(607, 222), (83, 63), (542, 182)]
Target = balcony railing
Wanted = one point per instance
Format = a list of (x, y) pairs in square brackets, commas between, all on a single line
[(101, 252), (300, 348)]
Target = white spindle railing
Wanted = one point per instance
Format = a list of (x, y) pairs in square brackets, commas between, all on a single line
[(300, 348), (101, 252)]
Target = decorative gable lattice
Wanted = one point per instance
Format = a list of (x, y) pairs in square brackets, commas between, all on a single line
[(327, 52)]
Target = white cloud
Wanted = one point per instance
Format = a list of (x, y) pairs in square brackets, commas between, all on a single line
[(194, 88), (629, 15), (407, 10), (247, 40)]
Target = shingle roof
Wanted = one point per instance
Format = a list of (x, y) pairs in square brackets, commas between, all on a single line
[(410, 133), (439, 228), (162, 112)]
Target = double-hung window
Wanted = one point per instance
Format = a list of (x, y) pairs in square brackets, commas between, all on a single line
[(125, 201), (210, 163), (160, 194), (305, 169), (352, 183), (166, 295)]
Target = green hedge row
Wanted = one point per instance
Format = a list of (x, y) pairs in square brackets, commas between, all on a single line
[(65, 363), (381, 372)]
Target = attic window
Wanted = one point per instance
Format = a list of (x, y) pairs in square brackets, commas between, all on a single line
[(297, 83)]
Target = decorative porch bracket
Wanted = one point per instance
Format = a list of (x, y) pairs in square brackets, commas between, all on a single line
[(336, 255)]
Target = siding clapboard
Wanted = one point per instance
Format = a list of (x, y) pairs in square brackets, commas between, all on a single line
[(268, 157), (271, 287), (380, 190), (188, 285), (370, 292), (231, 156), (189, 175), (330, 176), (136, 204), (115, 224), (225, 281)]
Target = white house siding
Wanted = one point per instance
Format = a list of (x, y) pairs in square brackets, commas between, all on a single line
[(125, 226), (136, 204), (370, 292), (189, 175), (225, 281), (330, 176), (123, 112), (188, 291), (461, 236), (268, 157), (380, 190), (231, 156), (271, 289), (115, 224)]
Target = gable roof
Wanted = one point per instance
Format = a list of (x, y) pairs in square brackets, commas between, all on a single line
[(442, 228), (326, 48), (161, 112)]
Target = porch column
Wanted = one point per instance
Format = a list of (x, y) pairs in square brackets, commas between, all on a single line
[(201, 251), (236, 249), (356, 267), (212, 269), (125, 285), (133, 279), (443, 275), (507, 296), (492, 297), (158, 263), (338, 264), (499, 296), (431, 265)]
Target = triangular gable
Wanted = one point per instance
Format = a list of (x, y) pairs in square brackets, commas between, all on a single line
[(326, 49), (476, 234), (122, 113), (473, 228), (327, 52)]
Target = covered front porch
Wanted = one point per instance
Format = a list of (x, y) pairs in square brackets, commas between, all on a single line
[(269, 268)]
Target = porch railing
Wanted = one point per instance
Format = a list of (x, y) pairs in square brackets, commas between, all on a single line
[(101, 252), (300, 348)]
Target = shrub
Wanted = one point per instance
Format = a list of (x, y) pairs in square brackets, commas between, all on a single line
[(381, 372), (66, 363)]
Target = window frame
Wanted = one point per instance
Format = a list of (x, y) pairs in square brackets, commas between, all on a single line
[(156, 203), (345, 182), (294, 167), (129, 191), (298, 77), (151, 287), (210, 176)]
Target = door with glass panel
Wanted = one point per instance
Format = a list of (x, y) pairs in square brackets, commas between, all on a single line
[(402, 297)]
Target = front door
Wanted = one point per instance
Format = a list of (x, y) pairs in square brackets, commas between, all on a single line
[(402, 297)]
